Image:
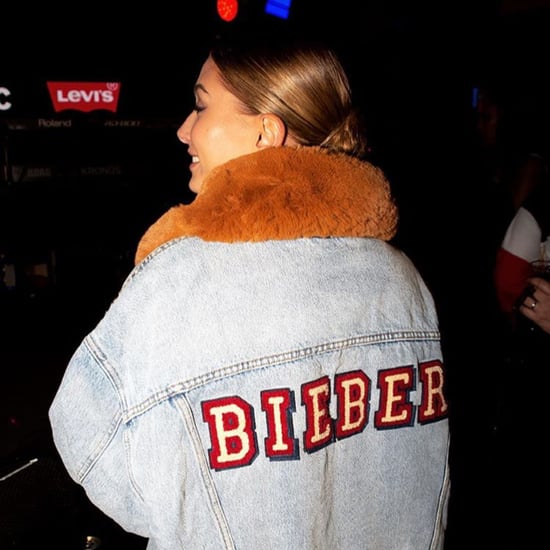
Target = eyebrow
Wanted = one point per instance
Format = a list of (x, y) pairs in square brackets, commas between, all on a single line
[(199, 86)]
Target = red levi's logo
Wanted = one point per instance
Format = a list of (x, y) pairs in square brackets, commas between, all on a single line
[(84, 96)]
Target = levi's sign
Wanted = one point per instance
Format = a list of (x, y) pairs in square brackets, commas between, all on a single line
[(84, 96)]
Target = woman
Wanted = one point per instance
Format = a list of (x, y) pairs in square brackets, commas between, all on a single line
[(270, 375)]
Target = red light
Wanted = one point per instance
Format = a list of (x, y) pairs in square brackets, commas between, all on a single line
[(227, 9)]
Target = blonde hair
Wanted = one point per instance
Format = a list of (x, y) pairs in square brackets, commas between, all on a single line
[(305, 85)]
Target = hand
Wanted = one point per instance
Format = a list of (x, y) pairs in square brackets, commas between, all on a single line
[(536, 306)]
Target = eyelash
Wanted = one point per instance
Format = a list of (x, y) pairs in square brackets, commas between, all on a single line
[(198, 108)]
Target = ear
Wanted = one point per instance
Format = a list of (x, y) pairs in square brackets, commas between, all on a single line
[(272, 131)]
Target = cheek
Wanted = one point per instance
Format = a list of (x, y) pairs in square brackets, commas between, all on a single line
[(215, 147), (219, 139)]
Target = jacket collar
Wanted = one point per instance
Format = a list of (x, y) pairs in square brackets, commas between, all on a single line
[(282, 193)]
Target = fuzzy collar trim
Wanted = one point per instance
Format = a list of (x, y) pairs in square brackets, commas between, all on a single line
[(282, 193)]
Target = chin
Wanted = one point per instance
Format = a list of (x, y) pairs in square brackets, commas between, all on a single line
[(195, 186)]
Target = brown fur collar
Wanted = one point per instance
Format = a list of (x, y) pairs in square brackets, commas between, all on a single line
[(282, 193)]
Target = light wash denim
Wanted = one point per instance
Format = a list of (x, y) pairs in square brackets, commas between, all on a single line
[(269, 395)]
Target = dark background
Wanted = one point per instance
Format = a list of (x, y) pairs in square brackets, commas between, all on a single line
[(74, 201)]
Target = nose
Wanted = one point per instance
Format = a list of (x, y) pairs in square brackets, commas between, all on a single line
[(184, 131)]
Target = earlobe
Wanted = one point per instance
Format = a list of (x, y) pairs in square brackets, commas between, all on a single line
[(273, 131)]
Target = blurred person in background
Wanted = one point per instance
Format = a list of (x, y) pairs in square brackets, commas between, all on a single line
[(523, 302)]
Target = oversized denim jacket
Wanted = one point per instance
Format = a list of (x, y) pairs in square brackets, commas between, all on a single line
[(271, 380)]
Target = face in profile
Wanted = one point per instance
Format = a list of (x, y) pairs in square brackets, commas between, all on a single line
[(216, 131)]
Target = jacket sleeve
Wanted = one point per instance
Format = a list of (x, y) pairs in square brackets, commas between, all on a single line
[(520, 246), (88, 431)]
